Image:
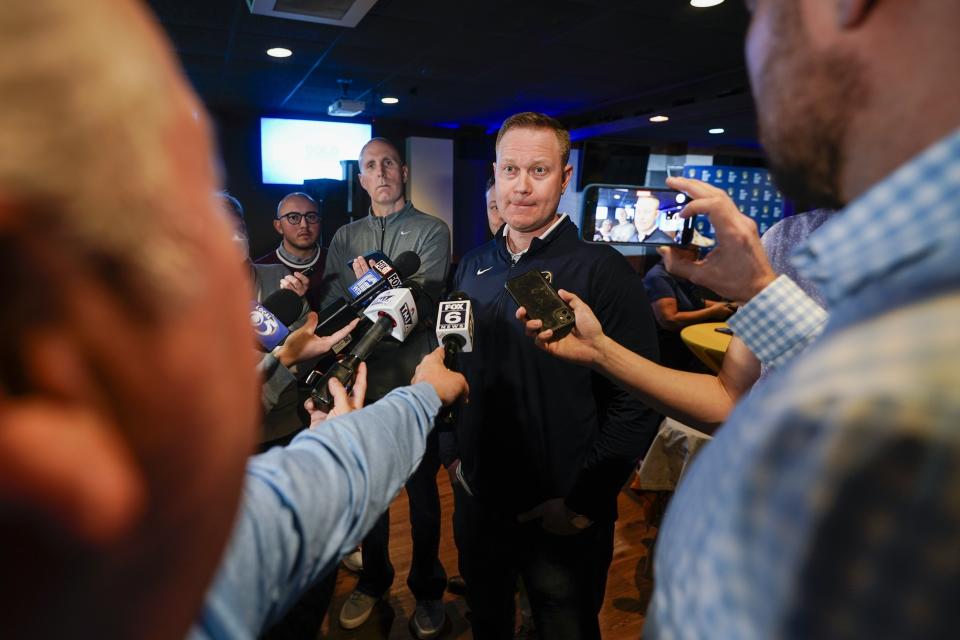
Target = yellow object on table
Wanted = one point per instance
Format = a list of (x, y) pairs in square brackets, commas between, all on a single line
[(708, 344)]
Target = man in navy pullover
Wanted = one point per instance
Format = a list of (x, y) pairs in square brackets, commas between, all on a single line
[(543, 448)]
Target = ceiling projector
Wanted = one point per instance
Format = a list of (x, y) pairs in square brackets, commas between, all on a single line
[(346, 108)]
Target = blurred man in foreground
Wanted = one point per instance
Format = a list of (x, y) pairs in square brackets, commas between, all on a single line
[(827, 505), (120, 483)]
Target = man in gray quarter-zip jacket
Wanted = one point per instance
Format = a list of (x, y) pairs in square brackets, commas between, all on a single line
[(395, 226)]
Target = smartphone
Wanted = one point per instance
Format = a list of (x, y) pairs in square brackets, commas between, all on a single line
[(635, 215), (532, 291)]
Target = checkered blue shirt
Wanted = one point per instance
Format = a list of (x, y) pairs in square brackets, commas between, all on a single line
[(829, 504)]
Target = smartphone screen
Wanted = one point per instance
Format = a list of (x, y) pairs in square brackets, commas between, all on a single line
[(628, 214)]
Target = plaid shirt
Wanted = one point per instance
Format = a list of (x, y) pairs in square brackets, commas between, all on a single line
[(829, 504)]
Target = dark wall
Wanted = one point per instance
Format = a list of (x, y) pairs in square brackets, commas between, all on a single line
[(238, 135)]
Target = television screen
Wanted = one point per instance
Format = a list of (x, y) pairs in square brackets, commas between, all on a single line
[(292, 151)]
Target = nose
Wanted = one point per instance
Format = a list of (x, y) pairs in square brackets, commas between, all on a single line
[(522, 184)]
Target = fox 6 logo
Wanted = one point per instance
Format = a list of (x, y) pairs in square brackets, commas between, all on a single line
[(453, 314)]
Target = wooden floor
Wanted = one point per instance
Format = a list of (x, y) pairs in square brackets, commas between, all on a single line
[(628, 586)]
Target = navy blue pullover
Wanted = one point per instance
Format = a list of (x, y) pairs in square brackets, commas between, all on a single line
[(537, 427)]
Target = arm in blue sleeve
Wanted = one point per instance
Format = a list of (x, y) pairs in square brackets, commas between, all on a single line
[(306, 505)]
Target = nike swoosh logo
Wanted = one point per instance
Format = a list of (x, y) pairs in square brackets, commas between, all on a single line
[(480, 272), (403, 233)]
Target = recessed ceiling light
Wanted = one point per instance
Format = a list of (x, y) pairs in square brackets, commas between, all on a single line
[(616, 196), (659, 119), (389, 100), (716, 130), (703, 4), (279, 52)]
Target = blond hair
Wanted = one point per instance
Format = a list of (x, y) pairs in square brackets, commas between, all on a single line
[(532, 120)]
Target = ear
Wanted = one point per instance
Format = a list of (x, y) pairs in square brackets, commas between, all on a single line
[(60, 459), (851, 13), (567, 174), (277, 227), (405, 172), (66, 468)]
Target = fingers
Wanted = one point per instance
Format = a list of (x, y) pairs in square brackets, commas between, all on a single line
[(360, 386), (677, 262), (693, 188), (341, 401), (340, 334), (521, 314), (359, 267), (312, 320)]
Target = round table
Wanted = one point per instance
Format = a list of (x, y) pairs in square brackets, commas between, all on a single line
[(708, 344)]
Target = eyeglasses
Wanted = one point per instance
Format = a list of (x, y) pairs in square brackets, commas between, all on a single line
[(312, 217)]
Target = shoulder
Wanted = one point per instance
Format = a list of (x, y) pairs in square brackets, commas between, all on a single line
[(275, 270), (425, 220), (267, 258)]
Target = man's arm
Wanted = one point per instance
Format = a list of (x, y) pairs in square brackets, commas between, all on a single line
[(668, 317), (308, 504), (779, 322)]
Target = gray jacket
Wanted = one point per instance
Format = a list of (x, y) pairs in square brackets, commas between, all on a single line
[(392, 364)]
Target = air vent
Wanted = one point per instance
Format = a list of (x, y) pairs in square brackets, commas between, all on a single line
[(342, 13)]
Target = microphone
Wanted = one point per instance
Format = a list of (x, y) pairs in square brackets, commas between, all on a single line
[(271, 317), (379, 278), (394, 313), (455, 326)]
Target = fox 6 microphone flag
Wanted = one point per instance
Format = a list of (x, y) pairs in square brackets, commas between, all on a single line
[(455, 322)]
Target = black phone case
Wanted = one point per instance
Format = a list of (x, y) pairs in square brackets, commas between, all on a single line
[(532, 291)]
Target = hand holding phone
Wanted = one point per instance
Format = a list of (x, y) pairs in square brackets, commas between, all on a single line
[(532, 292)]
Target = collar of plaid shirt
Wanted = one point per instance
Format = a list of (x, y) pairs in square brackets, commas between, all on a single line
[(910, 215)]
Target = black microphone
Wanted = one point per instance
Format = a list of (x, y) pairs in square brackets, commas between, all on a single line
[(379, 278), (271, 318), (393, 312), (455, 326)]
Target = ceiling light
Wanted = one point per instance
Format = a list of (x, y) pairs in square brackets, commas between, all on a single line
[(659, 119), (389, 100), (279, 52), (703, 4), (716, 130)]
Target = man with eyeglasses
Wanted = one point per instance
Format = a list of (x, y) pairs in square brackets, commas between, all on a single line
[(298, 223)]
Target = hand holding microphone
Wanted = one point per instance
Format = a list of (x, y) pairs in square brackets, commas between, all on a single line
[(394, 313), (449, 385), (455, 326), (343, 401)]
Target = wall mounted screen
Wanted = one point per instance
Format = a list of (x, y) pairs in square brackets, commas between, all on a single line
[(292, 151)]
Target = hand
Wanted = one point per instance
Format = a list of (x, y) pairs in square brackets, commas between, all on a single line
[(720, 311), (737, 268), (303, 344), (449, 385), (554, 517), (583, 345), (360, 267), (296, 282), (343, 403)]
